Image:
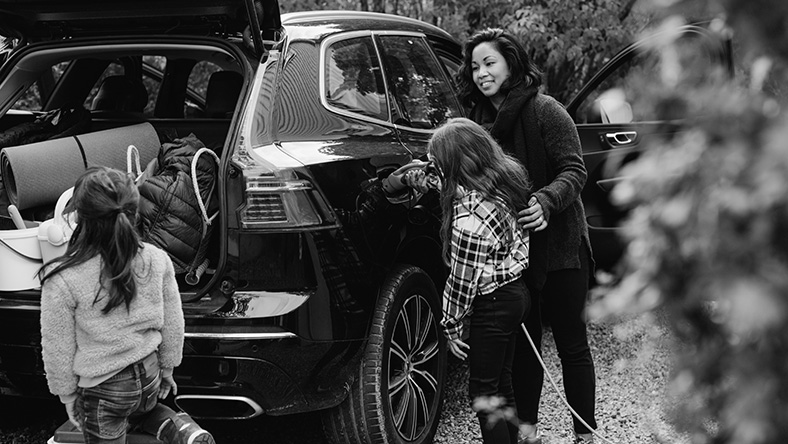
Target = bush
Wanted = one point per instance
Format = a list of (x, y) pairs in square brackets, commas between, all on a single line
[(708, 234)]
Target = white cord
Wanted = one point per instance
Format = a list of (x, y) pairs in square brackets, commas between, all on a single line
[(558, 391), (206, 219), (132, 154)]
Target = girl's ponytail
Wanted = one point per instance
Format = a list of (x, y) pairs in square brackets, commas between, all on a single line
[(106, 202), (118, 259)]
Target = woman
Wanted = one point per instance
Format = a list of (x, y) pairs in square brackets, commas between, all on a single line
[(111, 320), (500, 82), (481, 188)]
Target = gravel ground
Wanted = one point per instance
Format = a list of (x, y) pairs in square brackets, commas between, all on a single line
[(632, 365), (632, 361)]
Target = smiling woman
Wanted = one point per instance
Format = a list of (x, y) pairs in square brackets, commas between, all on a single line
[(490, 72)]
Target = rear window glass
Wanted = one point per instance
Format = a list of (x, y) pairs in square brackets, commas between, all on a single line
[(353, 78)]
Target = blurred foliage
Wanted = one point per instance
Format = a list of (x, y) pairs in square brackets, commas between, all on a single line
[(569, 39), (708, 231)]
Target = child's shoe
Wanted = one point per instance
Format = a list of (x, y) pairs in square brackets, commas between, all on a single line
[(181, 429), (529, 434), (201, 437), (584, 438)]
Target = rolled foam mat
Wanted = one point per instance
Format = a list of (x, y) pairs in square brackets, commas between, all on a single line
[(38, 173)]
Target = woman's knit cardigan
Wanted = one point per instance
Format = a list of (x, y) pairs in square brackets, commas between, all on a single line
[(538, 131)]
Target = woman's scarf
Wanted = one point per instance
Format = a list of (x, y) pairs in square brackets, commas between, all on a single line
[(516, 127)]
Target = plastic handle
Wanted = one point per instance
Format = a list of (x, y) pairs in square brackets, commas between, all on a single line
[(13, 211), (60, 206)]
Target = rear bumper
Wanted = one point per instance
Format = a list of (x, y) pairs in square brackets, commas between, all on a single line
[(238, 378), (227, 373)]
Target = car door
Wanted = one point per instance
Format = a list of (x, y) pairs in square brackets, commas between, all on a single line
[(614, 129)]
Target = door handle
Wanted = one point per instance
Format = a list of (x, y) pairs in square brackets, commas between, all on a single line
[(621, 138)]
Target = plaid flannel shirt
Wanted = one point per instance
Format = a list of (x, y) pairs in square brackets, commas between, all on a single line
[(488, 250)]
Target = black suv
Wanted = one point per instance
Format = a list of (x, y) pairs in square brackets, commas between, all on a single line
[(319, 289)]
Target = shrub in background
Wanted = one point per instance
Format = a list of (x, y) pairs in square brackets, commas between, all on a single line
[(708, 232)]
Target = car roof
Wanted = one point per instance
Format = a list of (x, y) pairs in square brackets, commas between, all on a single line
[(52, 19), (315, 25)]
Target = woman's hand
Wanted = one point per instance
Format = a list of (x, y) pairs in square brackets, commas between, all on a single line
[(167, 384), (532, 218), (456, 346), (72, 415)]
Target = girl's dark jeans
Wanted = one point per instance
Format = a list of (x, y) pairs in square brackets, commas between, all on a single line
[(494, 323), (562, 304), (129, 398)]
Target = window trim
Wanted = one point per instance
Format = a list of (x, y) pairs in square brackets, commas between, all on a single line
[(322, 77), (436, 59), (326, 43)]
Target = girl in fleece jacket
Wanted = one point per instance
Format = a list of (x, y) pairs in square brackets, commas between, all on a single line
[(111, 320)]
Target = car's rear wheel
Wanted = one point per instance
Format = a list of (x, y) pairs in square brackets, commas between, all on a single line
[(398, 394)]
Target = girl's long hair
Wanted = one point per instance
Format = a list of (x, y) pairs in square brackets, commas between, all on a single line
[(521, 66), (105, 201), (469, 158)]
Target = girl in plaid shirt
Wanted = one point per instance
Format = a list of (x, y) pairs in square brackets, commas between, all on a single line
[(481, 190)]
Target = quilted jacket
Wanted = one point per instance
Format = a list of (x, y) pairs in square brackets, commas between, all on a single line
[(170, 215)]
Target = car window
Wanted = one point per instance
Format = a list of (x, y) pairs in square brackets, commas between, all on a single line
[(114, 69), (422, 90), (58, 70), (353, 78), (452, 66), (613, 99), (198, 78), (197, 88), (151, 82), (29, 101), (34, 97)]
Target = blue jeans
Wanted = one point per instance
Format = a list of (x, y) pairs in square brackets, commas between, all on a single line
[(494, 323), (127, 400)]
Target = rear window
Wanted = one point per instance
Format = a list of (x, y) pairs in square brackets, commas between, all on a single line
[(353, 78)]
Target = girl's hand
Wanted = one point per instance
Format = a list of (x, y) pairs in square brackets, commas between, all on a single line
[(167, 384), (416, 178), (532, 218), (72, 415), (456, 346)]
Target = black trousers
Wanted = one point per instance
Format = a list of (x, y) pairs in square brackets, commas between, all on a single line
[(493, 333), (561, 303)]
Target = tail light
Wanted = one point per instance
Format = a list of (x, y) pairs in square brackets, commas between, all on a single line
[(285, 199), (279, 203)]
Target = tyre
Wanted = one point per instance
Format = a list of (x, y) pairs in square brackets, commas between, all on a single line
[(398, 394)]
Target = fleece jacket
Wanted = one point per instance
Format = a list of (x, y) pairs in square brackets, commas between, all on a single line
[(79, 341)]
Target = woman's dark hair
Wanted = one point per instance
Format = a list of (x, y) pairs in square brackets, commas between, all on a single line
[(521, 66), (105, 201), (467, 156)]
